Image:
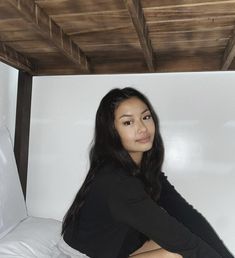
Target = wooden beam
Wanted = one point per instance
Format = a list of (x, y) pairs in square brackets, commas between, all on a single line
[(22, 126), (136, 13), (11, 57), (229, 53), (51, 31)]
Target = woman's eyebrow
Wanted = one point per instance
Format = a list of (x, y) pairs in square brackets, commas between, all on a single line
[(125, 115), (145, 110)]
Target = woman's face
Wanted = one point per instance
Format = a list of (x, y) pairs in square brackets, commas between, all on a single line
[(135, 126)]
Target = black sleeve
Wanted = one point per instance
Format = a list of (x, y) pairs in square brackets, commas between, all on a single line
[(177, 207), (130, 204)]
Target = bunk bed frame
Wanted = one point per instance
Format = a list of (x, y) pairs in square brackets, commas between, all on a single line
[(61, 37)]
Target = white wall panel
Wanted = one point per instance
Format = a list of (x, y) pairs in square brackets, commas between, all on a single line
[(197, 115), (8, 93)]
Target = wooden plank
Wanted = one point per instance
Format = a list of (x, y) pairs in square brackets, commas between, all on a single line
[(11, 57), (166, 4), (181, 62), (187, 45), (193, 63), (51, 31), (102, 67), (6, 12), (229, 53), (202, 62), (82, 6), (18, 35), (84, 22), (8, 25), (32, 46), (22, 127), (136, 13)]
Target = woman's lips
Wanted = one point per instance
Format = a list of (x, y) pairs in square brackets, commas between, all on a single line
[(144, 140)]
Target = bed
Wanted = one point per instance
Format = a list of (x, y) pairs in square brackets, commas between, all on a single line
[(20, 234)]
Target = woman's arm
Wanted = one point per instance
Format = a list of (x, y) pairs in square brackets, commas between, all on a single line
[(130, 204), (179, 208)]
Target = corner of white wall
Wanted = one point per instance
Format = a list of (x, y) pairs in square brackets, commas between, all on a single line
[(8, 94)]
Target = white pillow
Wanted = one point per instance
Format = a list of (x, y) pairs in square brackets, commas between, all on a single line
[(33, 237)]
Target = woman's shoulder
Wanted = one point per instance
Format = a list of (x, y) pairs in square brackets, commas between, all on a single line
[(113, 169), (118, 177), (108, 178), (115, 183)]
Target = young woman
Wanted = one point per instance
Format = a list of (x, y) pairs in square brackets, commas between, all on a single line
[(126, 206)]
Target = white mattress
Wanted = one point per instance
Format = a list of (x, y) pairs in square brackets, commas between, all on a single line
[(12, 204), (31, 238)]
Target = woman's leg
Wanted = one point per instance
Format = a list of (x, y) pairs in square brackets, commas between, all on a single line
[(147, 246), (159, 253), (152, 249)]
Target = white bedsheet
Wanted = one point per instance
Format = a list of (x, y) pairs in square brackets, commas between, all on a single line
[(12, 204), (31, 238)]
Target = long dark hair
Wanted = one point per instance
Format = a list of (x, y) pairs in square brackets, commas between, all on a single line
[(106, 145)]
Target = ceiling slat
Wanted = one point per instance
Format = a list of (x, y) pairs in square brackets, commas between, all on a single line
[(52, 32), (229, 53), (11, 57), (136, 13)]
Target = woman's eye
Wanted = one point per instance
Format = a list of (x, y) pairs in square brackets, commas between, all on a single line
[(127, 122), (147, 117)]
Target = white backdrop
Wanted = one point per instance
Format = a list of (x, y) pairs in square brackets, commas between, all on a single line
[(8, 93), (197, 115)]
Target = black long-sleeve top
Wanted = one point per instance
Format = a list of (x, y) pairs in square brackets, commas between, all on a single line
[(118, 216)]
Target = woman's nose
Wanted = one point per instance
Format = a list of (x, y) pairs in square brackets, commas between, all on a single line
[(141, 127)]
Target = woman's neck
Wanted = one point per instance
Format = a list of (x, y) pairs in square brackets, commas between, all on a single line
[(137, 157)]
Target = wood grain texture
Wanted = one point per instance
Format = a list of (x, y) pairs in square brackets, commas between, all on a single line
[(110, 33), (229, 53), (61, 7), (22, 127), (11, 57), (136, 13), (49, 29)]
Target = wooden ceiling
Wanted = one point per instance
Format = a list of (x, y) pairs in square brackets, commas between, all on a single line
[(51, 37)]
